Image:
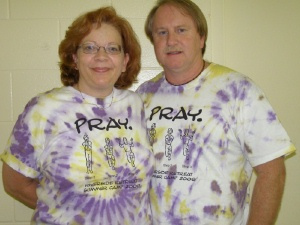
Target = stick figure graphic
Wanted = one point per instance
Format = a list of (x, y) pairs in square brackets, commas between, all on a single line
[(87, 144), (168, 143), (110, 154), (152, 133), (128, 149), (186, 138)]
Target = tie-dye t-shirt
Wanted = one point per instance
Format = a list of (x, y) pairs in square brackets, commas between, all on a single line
[(94, 165), (206, 136)]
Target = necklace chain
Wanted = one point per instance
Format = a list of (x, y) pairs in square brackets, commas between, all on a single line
[(97, 105)]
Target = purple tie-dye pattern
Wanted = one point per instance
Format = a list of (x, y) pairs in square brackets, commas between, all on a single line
[(95, 211), (152, 87), (271, 116), (159, 191), (223, 96), (99, 111), (211, 210), (234, 89), (104, 210), (88, 206), (230, 102), (172, 170), (159, 155), (80, 115), (78, 99), (112, 206), (68, 125), (67, 198), (215, 187), (177, 151), (239, 191), (129, 111), (245, 85), (79, 219)]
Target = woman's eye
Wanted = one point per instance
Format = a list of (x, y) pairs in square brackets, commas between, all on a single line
[(112, 49), (89, 47)]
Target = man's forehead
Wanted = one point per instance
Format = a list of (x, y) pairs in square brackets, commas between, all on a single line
[(167, 15)]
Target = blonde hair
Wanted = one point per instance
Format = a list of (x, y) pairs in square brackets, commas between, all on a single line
[(188, 8)]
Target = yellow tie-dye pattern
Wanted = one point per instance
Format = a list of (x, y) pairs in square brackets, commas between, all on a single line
[(184, 210), (38, 118), (154, 201), (290, 150), (161, 132), (226, 212), (168, 194), (218, 71), (12, 160), (242, 177)]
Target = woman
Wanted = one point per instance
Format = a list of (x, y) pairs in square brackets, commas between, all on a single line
[(79, 154)]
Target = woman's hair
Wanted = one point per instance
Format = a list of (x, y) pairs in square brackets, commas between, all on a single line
[(81, 27), (188, 8)]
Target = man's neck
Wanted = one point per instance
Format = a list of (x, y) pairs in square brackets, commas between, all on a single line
[(183, 77)]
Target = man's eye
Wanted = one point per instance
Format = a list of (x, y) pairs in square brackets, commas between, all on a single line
[(162, 33), (181, 30)]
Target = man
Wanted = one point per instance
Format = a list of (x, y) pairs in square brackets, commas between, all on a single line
[(223, 128)]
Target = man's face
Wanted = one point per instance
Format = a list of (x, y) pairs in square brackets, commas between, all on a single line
[(177, 43)]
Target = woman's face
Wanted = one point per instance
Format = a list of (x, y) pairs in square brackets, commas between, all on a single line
[(99, 71)]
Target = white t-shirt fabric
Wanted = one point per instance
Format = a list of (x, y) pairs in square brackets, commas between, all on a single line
[(206, 137), (92, 158)]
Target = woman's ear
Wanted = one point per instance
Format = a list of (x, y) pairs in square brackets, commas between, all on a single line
[(126, 60), (75, 59)]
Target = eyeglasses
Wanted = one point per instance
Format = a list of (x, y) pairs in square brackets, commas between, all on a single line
[(92, 48)]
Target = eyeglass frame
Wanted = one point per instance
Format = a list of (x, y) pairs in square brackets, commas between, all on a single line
[(97, 48)]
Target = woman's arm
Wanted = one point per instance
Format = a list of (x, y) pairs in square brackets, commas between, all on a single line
[(20, 187)]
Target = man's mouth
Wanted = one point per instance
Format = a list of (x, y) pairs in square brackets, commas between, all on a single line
[(173, 52)]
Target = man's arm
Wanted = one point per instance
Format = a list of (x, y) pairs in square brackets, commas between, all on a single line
[(267, 193), (19, 187)]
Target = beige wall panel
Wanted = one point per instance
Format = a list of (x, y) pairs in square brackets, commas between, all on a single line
[(148, 56), (28, 44), (22, 212), (5, 97), (4, 9), (133, 8), (262, 40), (39, 9), (5, 130), (27, 84)]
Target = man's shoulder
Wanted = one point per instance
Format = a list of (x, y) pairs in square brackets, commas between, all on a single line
[(151, 84), (217, 71)]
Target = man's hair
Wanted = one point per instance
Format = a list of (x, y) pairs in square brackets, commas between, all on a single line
[(188, 8), (81, 27)]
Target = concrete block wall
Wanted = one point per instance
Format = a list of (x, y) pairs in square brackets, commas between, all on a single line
[(31, 31)]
